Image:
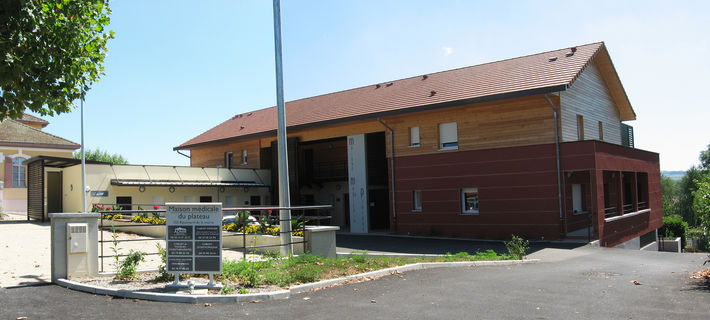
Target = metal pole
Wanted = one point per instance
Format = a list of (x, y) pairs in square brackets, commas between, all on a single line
[(83, 159), (284, 196)]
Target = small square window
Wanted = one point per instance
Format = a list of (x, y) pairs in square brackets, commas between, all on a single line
[(417, 200), (469, 200), (448, 136)]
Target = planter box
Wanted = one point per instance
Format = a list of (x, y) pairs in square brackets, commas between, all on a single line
[(229, 239), (669, 245)]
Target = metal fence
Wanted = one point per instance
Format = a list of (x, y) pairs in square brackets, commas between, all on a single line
[(145, 224)]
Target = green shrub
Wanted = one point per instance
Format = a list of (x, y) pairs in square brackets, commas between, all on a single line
[(129, 265), (226, 289), (674, 226), (517, 247), (163, 275)]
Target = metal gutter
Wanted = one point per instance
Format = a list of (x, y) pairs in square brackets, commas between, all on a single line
[(557, 149)]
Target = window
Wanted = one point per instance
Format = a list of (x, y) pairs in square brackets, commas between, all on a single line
[(577, 202), (18, 173), (124, 203), (414, 137), (158, 200), (189, 198), (228, 160), (469, 200), (244, 156), (448, 136), (417, 200), (580, 127), (205, 199), (601, 131)]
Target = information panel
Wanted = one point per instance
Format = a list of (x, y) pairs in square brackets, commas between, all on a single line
[(194, 237)]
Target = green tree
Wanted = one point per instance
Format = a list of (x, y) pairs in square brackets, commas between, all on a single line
[(701, 202), (705, 159), (100, 155), (51, 51), (669, 196), (686, 189)]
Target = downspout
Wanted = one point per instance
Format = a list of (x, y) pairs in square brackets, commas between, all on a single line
[(394, 206), (559, 167)]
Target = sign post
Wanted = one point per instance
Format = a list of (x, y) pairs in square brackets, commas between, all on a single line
[(193, 239)]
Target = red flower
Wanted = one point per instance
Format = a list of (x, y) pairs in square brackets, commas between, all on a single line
[(269, 211), (102, 207), (241, 220), (108, 208), (95, 204), (156, 207)]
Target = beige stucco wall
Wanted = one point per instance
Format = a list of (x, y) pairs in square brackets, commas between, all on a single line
[(15, 199)]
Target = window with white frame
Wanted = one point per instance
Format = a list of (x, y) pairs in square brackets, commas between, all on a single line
[(417, 200), (19, 173), (469, 200), (244, 156), (448, 136), (414, 137), (577, 200)]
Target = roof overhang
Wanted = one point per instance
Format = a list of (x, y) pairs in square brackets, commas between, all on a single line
[(59, 162), (148, 183), (613, 84)]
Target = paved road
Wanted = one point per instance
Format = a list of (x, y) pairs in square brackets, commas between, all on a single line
[(583, 283)]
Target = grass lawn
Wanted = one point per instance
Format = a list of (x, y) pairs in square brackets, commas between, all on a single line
[(284, 272)]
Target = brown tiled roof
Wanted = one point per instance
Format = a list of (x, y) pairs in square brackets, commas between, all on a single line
[(28, 118), (534, 74), (14, 133)]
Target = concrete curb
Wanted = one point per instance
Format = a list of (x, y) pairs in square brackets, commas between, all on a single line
[(276, 295)]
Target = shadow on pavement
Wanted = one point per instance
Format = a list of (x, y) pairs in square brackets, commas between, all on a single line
[(412, 245)]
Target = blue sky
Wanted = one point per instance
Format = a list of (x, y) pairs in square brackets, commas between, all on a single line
[(178, 68)]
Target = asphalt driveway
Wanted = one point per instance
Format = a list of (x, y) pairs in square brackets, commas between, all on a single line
[(581, 283)]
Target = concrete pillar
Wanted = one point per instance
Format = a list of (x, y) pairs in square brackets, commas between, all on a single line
[(59, 251), (357, 184), (320, 240)]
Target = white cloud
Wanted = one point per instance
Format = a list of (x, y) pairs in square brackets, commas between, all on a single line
[(448, 51)]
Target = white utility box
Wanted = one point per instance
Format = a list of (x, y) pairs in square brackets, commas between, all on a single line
[(77, 244)]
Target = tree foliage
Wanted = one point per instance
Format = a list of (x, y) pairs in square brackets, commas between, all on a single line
[(701, 202), (669, 196), (51, 51), (100, 155)]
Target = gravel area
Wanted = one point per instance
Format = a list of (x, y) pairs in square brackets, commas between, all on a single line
[(145, 281)]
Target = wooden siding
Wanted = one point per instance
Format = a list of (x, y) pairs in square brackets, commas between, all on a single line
[(499, 124), (213, 155), (589, 97)]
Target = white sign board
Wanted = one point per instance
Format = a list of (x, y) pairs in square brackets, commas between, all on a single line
[(193, 237)]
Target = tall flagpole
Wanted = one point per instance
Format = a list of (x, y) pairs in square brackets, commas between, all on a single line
[(284, 196), (83, 159)]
